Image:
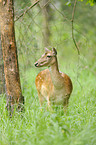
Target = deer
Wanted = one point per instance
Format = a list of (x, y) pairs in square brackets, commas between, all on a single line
[(52, 85)]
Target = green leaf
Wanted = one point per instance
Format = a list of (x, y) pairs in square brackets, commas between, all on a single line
[(68, 3)]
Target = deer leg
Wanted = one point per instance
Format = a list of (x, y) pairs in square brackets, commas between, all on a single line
[(48, 101), (41, 98), (65, 104)]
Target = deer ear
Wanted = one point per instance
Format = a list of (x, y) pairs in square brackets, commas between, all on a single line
[(46, 50), (54, 51)]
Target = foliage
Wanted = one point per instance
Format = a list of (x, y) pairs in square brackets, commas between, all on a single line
[(91, 2), (78, 126)]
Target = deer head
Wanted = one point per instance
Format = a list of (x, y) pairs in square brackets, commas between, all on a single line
[(47, 59)]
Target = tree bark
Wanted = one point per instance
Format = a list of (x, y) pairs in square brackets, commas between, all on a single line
[(11, 69), (2, 82), (46, 32)]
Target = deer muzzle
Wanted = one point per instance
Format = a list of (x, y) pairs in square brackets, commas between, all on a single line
[(36, 64)]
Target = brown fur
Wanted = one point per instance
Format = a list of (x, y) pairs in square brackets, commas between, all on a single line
[(53, 86)]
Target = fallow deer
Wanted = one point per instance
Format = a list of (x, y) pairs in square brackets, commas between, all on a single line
[(52, 85)]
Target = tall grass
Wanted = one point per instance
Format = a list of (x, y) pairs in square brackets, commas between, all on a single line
[(36, 127)]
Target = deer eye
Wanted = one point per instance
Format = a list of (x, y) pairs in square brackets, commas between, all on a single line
[(48, 56)]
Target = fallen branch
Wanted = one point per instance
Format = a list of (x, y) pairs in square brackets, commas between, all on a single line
[(73, 27), (26, 11)]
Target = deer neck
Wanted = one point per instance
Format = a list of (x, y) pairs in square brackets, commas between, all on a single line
[(56, 75)]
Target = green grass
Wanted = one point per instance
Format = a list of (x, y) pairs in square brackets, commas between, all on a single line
[(36, 127)]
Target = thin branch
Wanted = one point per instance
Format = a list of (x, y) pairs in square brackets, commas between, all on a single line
[(42, 8), (73, 27), (60, 12), (26, 11)]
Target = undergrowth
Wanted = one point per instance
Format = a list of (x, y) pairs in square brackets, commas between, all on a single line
[(36, 127)]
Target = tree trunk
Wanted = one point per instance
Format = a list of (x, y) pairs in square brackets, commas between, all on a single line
[(2, 83), (46, 32), (11, 70)]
